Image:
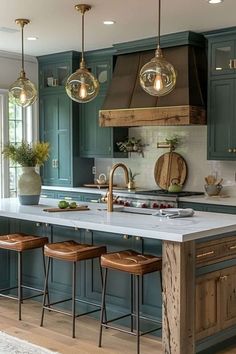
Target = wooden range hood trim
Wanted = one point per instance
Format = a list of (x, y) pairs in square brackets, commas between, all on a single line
[(135, 117)]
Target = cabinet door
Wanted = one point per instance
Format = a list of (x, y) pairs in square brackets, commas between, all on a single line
[(221, 125), (63, 165), (222, 56), (48, 121), (55, 115), (4, 256), (94, 140), (228, 297), (118, 283), (207, 305)]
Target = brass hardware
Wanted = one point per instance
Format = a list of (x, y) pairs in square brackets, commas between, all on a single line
[(234, 63), (43, 196), (83, 8), (126, 237), (38, 224), (138, 238), (76, 228), (205, 254), (110, 190), (230, 150), (47, 225), (22, 21), (231, 64), (67, 198), (232, 247), (234, 150), (223, 277)]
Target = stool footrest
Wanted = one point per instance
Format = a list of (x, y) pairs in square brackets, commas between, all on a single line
[(105, 324)]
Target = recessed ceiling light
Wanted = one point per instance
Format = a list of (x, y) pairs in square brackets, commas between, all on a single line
[(215, 1), (32, 38), (108, 22)]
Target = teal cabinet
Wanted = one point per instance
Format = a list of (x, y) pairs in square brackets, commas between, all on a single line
[(221, 119), (96, 141), (59, 123), (4, 257), (221, 95), (213, 208)]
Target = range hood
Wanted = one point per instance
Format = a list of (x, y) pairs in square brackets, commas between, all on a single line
[(127, 104)]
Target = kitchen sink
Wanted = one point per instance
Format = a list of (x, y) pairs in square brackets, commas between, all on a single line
[(130, 210)]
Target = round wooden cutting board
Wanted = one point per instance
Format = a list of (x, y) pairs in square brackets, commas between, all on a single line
[(168, 166)]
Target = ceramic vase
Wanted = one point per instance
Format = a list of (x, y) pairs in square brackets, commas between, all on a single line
[(29, 186)]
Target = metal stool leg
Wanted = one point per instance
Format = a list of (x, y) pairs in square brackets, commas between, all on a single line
[(132, 302), (137, 313), (105, 311), (19, 284), (73, 297), (44, 269), (103, 306), (45, 290)]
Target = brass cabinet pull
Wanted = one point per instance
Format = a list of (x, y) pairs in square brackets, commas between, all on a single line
[(68, 198), (232, 247), (234, 150), (205, 254), (223, 277), (230, 150), (125, 237), (234, 63), (231, 64)]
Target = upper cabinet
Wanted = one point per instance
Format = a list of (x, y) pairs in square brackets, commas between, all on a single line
[(96, 141), (222, 95), (59, 123), (223, 55)]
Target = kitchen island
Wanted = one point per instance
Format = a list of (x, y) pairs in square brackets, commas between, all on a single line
[(179, 246)]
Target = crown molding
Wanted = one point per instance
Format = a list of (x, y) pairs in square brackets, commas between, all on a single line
[(17, 56)]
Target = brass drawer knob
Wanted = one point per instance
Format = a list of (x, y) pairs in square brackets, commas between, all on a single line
[(125, 237), (230, 150), (232, 247), (234, 150), (223, 278)]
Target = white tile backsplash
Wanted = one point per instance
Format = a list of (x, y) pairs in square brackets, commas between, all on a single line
[(193, 148)]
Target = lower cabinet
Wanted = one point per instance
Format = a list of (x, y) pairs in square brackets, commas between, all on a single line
[(212, 208), (215, 301), (4, 256)]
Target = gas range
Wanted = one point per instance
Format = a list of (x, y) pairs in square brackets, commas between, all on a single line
[(155, 199)]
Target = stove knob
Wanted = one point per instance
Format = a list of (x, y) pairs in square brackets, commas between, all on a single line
[(144, 205), (169, 206), (155, 205), (127, 203), (121, 202), (162, 206)]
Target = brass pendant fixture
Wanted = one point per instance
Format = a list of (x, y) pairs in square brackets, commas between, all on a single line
[(158, 76), (22, 92), (82, 86)]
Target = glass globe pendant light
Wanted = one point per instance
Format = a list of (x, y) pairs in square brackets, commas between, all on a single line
[(158, 76), (82, 86), (22, 92)]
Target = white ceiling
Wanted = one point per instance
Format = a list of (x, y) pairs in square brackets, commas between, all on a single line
[(58, 25)]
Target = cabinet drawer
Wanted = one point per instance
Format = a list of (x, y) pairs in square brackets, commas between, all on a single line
[(215, 251)]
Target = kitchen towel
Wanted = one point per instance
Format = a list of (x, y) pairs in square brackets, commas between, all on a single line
[(174, 213)]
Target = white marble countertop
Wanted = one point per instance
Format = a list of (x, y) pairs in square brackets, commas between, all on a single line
[(200, 225)]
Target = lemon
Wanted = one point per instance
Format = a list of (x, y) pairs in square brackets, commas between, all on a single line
[(63, 204)]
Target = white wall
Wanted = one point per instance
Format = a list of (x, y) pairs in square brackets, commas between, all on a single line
[(10, 67), (193, 148)]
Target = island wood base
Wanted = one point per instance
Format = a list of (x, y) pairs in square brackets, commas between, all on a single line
[(178, 298)]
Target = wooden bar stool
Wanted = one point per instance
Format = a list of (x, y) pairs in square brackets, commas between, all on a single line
[(73, 252), (136, 265), (19, 243)]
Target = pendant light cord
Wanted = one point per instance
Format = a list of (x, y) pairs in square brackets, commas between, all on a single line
[(22, 48), (159, 24), (82, 37)]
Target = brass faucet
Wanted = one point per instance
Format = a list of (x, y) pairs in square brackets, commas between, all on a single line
[(110, 191)]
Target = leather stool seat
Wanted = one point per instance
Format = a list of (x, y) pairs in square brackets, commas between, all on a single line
[(131, 262), (73, 251), (21, 242)]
